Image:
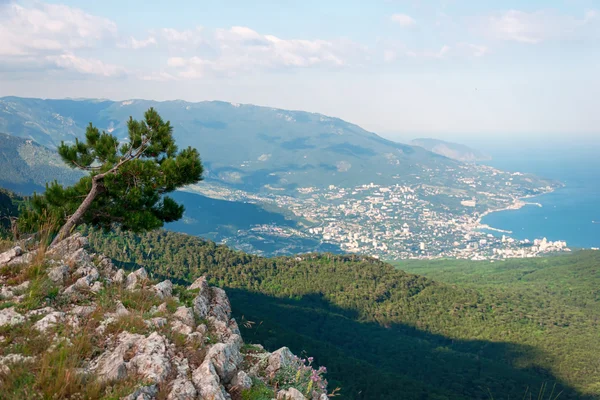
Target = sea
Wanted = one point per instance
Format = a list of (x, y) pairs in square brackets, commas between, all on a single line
[(571, 213)]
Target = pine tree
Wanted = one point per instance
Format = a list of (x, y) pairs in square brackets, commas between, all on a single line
[(126, 183)]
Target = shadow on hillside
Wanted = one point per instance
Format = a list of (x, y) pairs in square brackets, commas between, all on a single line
[(217, 219), (369, 361)]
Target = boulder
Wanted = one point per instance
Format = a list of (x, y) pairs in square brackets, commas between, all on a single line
[(111, 366), (182, 387), (163, 289), (9, 316), (143, 393), (68, 246), (7, 256), (96, 287), (58, 274), (219, 305), (279, 359), (207, 382), (151, 360), (120, 310), (226, 358), (181, 328), (6, 361), (185, 315), (83, 311), (49, 321), (119, 277), (136, 278), (201, 284), (241, 381), (201, 305), (290, 394)]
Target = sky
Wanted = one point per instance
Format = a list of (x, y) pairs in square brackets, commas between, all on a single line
[(474, 69)]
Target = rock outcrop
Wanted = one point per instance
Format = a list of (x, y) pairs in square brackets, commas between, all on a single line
[(136, 333)]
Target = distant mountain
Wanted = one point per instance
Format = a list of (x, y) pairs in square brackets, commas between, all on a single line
[(244, 146), (454, 151), (26, 166)]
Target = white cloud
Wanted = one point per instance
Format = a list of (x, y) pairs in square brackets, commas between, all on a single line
[(243, 49), (403, 20), (534, 27), (474, 50), (50, 28), (85, 65), (133, 43)]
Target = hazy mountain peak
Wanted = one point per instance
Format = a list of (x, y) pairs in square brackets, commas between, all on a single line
[(451, 150)]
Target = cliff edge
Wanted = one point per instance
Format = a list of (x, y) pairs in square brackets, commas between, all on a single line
[(72, 325)]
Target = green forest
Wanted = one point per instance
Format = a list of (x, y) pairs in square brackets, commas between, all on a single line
[(454, 331)]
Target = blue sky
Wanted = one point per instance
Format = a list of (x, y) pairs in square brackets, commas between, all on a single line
[(446, 68)]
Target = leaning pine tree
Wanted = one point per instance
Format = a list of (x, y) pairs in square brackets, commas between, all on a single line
[(125, 185)]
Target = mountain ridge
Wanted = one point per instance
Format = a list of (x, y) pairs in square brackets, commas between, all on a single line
[(455, 151), (265, 145)]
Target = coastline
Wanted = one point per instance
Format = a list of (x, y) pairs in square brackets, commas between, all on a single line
[(517, 204)]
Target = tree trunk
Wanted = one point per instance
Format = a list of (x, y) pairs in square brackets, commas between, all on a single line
[(74, 219)]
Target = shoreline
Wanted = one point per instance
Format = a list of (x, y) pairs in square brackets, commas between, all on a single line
[(517, 204)]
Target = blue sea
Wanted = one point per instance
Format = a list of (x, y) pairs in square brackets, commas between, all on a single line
[(567, 213)]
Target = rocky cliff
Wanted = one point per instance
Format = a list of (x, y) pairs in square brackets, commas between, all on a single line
[(73, 326)]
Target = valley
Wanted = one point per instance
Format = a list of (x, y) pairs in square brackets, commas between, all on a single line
[(294, 182)]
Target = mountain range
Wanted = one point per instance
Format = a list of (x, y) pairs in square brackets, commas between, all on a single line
[(455, 151), (244, 146)]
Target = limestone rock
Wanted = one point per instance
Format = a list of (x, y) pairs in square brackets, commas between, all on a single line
[(201, 284), (136, 278), (40, 311), (278, 359), (143, 393), (181, 328), (9, 316), (226, 358), (219, 306), (120, 310), (96, 287), (68, 246), (201, 306), (185, 315), (111, 366), (241, 381), (6, 361), (290, 394), (79, 258), (83, 311), (156, 323), (207, 382), (10, 254), (164, 289), (49, 321), (106, 267), (182, 387), (151, 360), (119, 277), (58, 274)]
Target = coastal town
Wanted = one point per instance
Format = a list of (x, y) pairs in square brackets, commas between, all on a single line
[(392, 222)]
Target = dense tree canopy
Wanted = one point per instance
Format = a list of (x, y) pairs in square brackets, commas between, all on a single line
[(387, 334), (126, 184)]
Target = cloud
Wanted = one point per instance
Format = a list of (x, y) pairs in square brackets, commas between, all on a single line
[(50, 28), (47, 36), (403, 20), (474, 50), (133, 43), (229, 51), (85, 65), (534, 27)]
